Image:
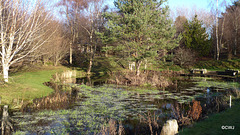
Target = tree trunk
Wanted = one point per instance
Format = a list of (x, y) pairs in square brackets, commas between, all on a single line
[(235, 42), (90, 61), (131, 65), (56, 63), (138, 65), (217, 45), (229, 53), (89, 82), (164, 53), (91, 55), (90, 65), (146, 62), (6, 125), (229, 56), (106, 52), (235, 47), (44, 60), (70, 60), (220, 41), (5, 72)]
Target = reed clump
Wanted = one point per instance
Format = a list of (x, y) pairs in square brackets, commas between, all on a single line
[(152, 78)]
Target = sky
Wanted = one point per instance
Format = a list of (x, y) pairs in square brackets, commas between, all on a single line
[(188, 3), (184, 3)]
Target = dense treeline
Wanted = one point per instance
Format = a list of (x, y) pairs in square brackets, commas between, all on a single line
[(137, 33), (229, 35)]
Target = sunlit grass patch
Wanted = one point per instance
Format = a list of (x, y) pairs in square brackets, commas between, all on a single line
[(208, 82), (28, 85), (218, 65)]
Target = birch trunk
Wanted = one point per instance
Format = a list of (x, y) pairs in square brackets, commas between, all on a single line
[(70, 59), (90, 61), (5, 72), (89, 66), (138, 65), (21, 31)]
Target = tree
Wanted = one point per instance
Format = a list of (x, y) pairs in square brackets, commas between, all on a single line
[(228, 34), (140, 28), (234, 14), (57, 47), (20, 31), (184, 57), (204, 15), (91, 27), (71, 9), (216, 12), (217, 43), (60, 48), (179, 24), (196, 38), (83, 17)]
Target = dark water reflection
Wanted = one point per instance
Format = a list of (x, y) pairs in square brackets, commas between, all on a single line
[(87, 110)]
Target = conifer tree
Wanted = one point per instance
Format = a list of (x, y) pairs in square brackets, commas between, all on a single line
[(195, 37), (140, 28)]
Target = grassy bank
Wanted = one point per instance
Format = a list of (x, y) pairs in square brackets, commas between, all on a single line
[(213, 125), (218, 65), (28, 85)]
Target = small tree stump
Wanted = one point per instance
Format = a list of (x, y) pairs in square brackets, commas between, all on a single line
[(6, 125)]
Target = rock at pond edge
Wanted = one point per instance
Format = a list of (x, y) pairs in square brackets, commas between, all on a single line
[(170, 128)]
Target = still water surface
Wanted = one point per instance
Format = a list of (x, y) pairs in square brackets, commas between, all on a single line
[(94, 106)]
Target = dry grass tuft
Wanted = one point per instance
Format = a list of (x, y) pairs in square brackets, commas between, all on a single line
[(153, 78)]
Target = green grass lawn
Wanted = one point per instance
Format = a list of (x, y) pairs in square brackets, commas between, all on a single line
[(28, 85), (213, 125)]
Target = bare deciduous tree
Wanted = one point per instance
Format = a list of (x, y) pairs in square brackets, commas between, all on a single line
[(179, 24), (234, 14), (218, 6), (71, 9), (56, 48), (59, 47), (204, 15), (20, 31), (230, 26), (93, 16), (184, 57)]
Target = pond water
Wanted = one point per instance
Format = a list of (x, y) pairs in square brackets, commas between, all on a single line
[(105, 109)]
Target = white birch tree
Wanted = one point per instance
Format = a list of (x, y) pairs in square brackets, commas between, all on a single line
[(21, 30), (218, 6), (93, 14)]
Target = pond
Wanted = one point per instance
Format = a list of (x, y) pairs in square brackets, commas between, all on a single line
[(112, 109)]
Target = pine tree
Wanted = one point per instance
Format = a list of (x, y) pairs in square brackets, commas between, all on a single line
[(195, 37), (141, 28)]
